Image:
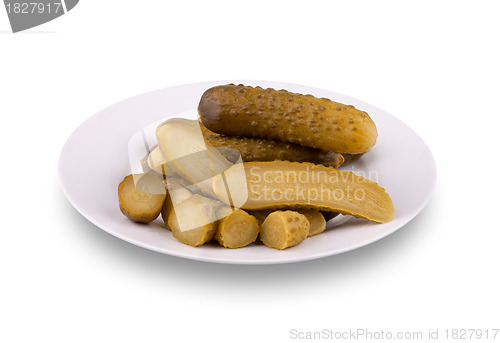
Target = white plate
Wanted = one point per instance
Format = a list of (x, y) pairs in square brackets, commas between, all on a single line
[(95, 159)]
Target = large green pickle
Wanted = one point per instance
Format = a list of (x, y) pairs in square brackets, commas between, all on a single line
[(289, 117)]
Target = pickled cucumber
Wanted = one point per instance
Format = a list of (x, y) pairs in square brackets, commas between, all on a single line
[(155, 161), (303, 119), (317, 221), (284, 229), (194, 220), (261, 149), (260, 215), (182, 145), (175, 195), (284, 184), (141, 200), (236, 229)]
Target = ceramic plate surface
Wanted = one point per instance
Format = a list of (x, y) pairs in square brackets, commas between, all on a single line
[(96, 158)]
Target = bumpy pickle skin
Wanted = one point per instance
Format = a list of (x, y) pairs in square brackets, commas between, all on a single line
[(283, 184), (289, 117), (261, 149), (236, 229), (284, 229)]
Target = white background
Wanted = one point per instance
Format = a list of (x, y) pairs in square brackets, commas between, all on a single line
[(432, 64)]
